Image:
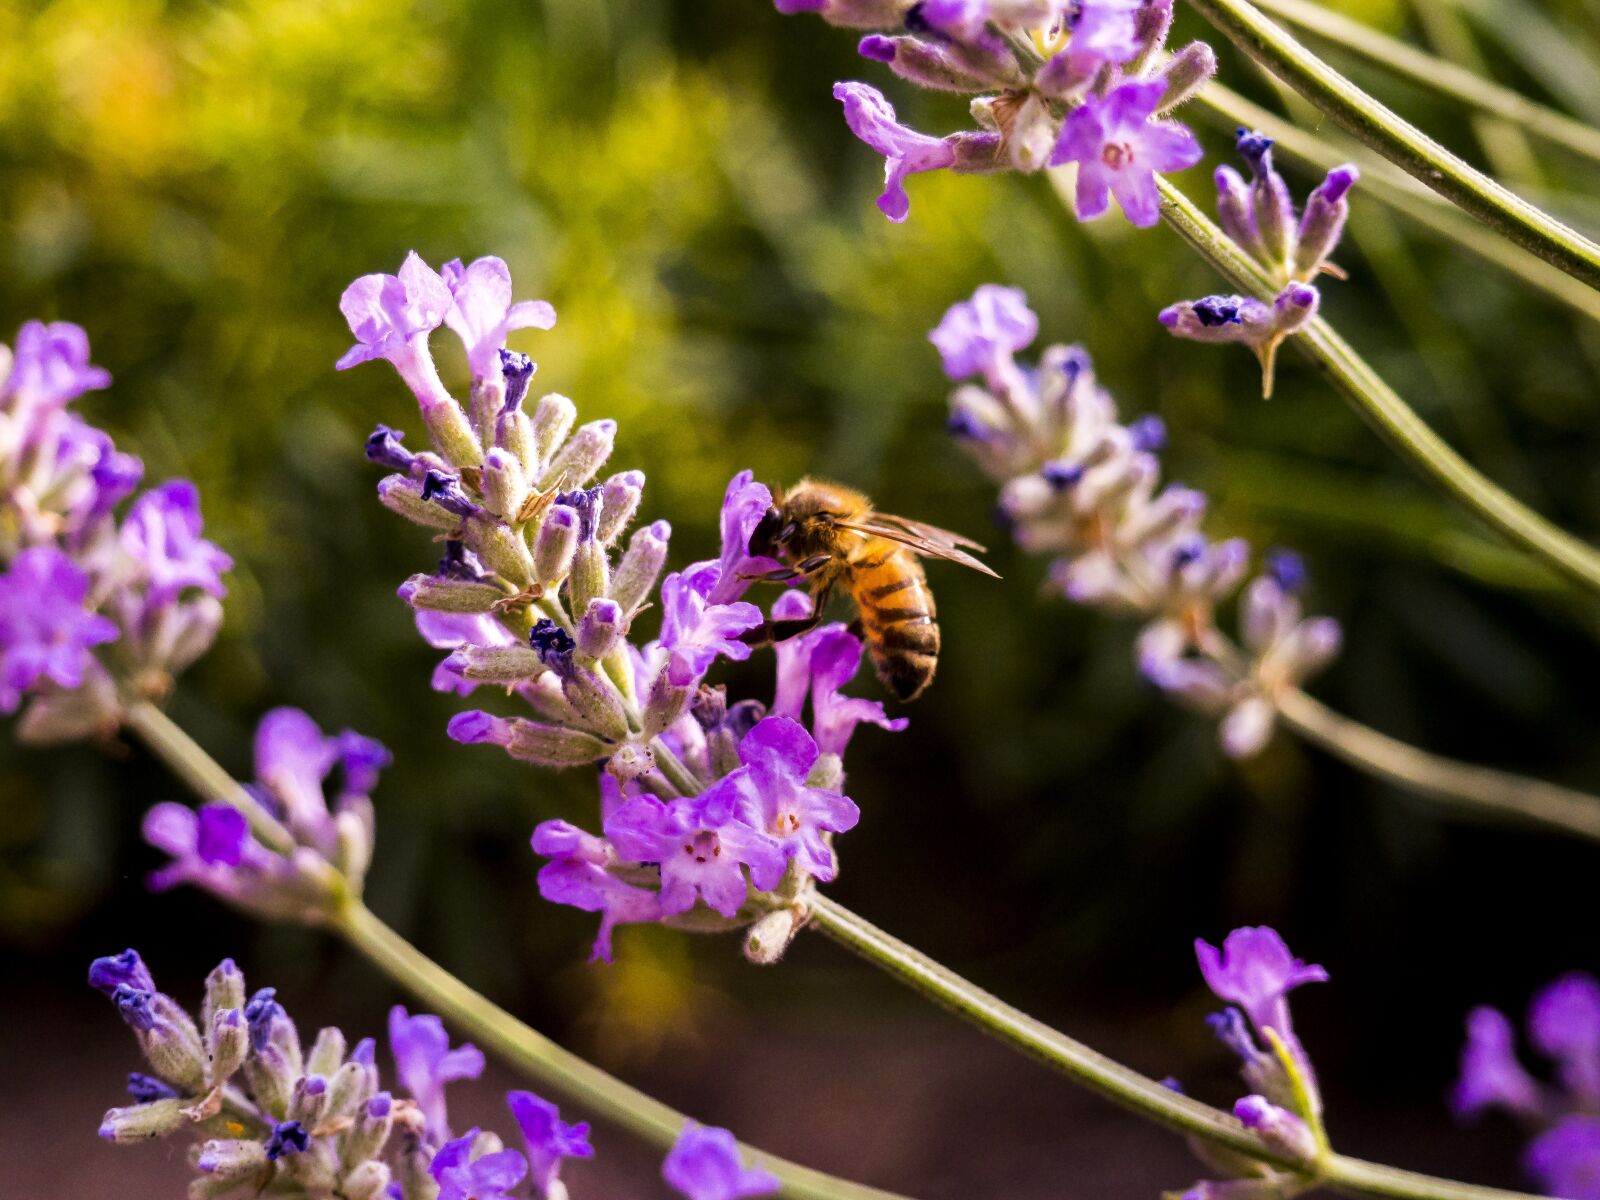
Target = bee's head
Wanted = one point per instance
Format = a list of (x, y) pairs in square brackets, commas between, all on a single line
[(772, 534)]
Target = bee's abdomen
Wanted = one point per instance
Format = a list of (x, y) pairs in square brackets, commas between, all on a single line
[(897, 617)]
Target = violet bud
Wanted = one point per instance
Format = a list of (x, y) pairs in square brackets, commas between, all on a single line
[(664, 704), (555, 546), (1236, 212), (368, 1181), (601, 628), (532, 741), (1322, 223), (1294, 308), (370, 1130), (1185, 73), (446, 491), (404, 496), (925, 64), (517, 371), (1278, 1128), (309, 1102), (144, 1122), (384, 448), (271, 1079), (231, 1158), (224, 990), (1151, 24), (496, 664), (552, 421), (434, 593), (228, 1046), (504, 485), (1274, 208), (585, 453), (640, 566), (107, 974), (502, 551), (620, 501), (597, 702)]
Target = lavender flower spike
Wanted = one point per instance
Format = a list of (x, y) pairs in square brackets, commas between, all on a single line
[(906, 152), (1119, 150), (704, 1164), (481, 312), (1255, 970)]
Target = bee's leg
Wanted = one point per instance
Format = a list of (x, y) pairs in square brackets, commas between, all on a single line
[(771, 632), (855, 628), (789, 574)]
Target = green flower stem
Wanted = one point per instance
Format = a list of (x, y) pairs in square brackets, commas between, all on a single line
[(1115, 1082), (511, 1040), (1440, 76), (1382, 408), (1400, 142), (1392, 187), (1472, 788)]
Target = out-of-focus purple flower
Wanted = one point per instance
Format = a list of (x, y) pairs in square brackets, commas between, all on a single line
[(1255, 970), (454, 631), (292, 758), (963, 20), (1565, 1159), (701, 846), (1490, 1072), (906, 152), (1106, 31), (425, 1063), (769, 792), (977, 336), (481, 312), (744, 504), (1564, 1024), (489, 1177), (695, 631), (210, 848), (1119, 150), (50, 366), (45, 632), (704, 1164), (577, 876), (549, 1139), (162, 533)]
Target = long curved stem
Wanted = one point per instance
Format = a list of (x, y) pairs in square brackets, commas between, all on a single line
[(1480, 789), (1400, 142), (1382, 408), (512, 1040), (1440, 76), (1112, 1080)]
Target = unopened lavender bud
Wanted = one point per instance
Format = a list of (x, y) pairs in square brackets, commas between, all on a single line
[(597, 702), (585, 453), (348, 1090), (271, 1079), (1277, 1127), (1270, 194), (531, 741), (108, 974), (502, 551), (664, 704), (591, 573), (404, 496), (769, 937), (640, 566), (309, 1101), (975, 415), (504, 485), (517, 370), (497, 664), (367, 1181), (600, 629), (231, 1158), (1322, 223), (1294, 308), (552, 421), (224, 991), (169, 1039), (620, 501), (228, 1046), (1151, 24), (1236, 212), (384, 448), (370, 1130), (1185, 73), (445, 490), (1247, 727), (435, 593), (976, 153), (555, 546), (925, 64), (144, 1122), (451, 434)]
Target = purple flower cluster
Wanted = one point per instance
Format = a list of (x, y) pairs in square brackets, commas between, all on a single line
[(702, 801), (1095, 101), (1080, 486), (270, 1114), (93, 611), (286, 849), (1564, 1026), (1253, 973), (1259, 216)]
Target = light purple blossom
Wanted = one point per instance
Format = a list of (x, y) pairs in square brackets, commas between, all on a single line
[(481, 312), (768, 792), (1565, 1159), (906, 152), (704, 1164), (1490, 1072), (162, 533), (701, 846), (577, 876), (489, 1177), (744, 504), (211, 848), (45, 631), (976, 336), (696, 631), (1119, 150), (391, 317), (821, 661), (425, 1063), (549, 1139), (50, 366), (1255, 970), (1106, 31), (1564, 1024)]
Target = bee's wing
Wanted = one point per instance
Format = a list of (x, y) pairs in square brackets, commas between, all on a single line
[(927, 540)]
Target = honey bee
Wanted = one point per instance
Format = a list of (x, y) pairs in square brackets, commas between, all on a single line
[(832, 537)]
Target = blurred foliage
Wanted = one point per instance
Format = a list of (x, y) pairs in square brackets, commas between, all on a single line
[(195, 182)]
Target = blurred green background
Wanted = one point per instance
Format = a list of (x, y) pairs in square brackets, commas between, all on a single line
[(196, 182)]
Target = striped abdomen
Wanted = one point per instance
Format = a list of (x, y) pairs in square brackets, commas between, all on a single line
[(897, 615)]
